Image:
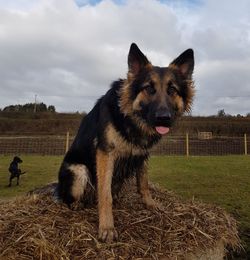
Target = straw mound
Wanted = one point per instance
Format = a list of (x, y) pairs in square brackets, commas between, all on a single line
[(37, 227)]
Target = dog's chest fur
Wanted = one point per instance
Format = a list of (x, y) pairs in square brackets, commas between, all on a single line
[(120, 146)]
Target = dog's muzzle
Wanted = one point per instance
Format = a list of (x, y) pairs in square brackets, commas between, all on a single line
[(163, 121)]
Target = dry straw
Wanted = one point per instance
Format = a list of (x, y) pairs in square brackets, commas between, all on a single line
[(37, 227)]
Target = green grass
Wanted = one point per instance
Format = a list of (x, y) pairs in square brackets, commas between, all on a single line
[(40, 170), (224, 181), (221, 180)]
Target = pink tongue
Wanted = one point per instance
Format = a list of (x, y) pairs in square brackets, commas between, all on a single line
[(162, 130)]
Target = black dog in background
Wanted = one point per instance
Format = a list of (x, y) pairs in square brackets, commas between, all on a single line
[(15, 172)]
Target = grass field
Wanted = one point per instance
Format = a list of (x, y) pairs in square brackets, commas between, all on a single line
[(224, 181)]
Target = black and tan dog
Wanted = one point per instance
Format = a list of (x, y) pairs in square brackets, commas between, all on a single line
[(113, 140)]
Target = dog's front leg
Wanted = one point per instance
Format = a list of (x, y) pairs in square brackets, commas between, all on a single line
[(105, 167), (143, 188)]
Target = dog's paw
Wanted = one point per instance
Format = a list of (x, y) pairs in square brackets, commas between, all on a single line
[(108, 235), (152, 205)]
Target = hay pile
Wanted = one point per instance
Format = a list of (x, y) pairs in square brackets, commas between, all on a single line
[(36, 227)]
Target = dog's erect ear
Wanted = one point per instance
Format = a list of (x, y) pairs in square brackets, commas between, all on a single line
[(136, 59), (185, 63)]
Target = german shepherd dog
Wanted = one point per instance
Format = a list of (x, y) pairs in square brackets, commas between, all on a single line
[(113, 140)]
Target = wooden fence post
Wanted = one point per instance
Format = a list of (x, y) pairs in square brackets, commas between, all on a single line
[(67, 142), (245, 143), (187, 144)]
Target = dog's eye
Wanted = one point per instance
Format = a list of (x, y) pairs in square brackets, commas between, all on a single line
[(171, 90), (150, 89)]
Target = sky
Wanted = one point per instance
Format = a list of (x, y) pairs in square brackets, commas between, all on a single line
[(68, 52)]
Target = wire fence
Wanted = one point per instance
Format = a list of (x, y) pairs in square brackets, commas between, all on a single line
[(192, 145), (169, 145)]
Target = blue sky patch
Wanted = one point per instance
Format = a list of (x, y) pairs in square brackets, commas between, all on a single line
[(94, 2), (189, 3)]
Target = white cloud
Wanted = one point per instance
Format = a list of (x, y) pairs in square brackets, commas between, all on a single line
[(68, 55)]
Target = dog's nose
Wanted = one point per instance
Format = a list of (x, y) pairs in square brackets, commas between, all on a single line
[(162, 115)]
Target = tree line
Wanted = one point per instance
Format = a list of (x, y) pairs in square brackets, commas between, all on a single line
[(30, 107), (222, 113)]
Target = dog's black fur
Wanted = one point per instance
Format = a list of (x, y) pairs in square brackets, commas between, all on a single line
[(83, 149), (14, 170), (114, 138)]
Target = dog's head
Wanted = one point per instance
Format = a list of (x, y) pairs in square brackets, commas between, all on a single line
[(17, 159), (156, 96)]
